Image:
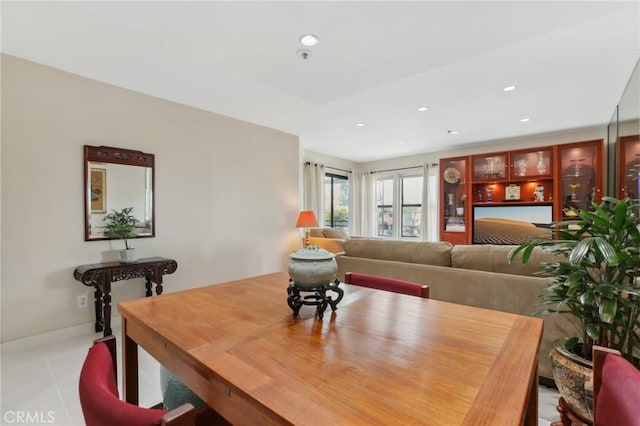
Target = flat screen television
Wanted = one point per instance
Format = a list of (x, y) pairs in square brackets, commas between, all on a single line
[(511, 224)]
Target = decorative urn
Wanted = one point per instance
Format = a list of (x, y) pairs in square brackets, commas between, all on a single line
[(312, 267)]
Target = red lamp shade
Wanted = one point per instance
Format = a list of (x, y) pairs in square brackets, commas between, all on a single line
[(306, 219)]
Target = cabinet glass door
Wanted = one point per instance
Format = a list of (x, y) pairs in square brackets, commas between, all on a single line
[(454, 195), (580, 176), (629, 167), (531, 163), (490, 167)]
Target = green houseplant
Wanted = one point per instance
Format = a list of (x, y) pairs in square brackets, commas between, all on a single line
[(596, 281), (121, 225)]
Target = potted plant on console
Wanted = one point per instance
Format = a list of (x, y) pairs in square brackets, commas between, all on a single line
[(598, 283), (121, 225)]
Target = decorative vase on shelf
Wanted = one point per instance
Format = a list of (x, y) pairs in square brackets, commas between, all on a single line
[(541, 167), (574, 186), (577, 164), (522, 167)]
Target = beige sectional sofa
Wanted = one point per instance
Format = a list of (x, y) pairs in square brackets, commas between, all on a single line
[(475, 275)]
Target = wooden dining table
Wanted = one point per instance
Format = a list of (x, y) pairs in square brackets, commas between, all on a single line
[(380, 358)]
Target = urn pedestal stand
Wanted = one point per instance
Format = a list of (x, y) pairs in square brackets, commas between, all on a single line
[(317, 298)]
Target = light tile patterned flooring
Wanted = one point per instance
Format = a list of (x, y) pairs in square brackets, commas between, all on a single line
[(39, 381)]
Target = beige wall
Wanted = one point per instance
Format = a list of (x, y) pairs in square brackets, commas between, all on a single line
[(226, 192)]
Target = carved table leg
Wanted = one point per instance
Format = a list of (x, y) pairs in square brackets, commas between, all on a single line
[(106, 302), (98, 305), (156, 277), (157, 272), (147, 285)]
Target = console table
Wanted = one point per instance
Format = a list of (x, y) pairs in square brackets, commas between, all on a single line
[(101, 275)]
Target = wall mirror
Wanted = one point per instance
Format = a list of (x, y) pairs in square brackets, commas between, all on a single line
[(624, 142), (116, 178)]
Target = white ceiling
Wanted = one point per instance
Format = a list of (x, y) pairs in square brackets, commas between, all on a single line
[(376, 63)]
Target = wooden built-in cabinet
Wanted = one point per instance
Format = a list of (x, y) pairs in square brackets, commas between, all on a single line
[(454, 215), (559, 176), (513, 177), (629, 167)]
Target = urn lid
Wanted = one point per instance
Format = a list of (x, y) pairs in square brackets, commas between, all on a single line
[(312, 253)]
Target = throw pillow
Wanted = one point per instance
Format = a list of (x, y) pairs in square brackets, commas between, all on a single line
[(336, 233)]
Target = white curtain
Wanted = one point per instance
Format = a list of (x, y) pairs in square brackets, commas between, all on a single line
[(429, 216), (314, 190), (362, 214)]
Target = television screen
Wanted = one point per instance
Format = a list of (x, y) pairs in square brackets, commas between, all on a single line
[(511, 224)]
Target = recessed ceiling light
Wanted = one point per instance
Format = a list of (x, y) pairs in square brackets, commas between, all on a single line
[(308, 40), (452, 132), (423, 108), (509, 88), (525, 120), (359, 124), (401, 142)]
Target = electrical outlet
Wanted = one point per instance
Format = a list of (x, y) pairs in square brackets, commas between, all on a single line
[(83, 300)]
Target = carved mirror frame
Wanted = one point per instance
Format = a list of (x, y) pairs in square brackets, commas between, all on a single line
[(106, 156)]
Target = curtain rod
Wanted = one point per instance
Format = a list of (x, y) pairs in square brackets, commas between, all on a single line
[(402, 168), (308, 163)]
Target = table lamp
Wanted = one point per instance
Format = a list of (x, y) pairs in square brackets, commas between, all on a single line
[(306, 219)]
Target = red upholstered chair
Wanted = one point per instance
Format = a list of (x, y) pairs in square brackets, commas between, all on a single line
[(388, 284), (102, 406), (616, 389)]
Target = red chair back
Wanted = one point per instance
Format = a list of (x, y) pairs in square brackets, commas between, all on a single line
[(387, 284), (616, 388), (101, 405)]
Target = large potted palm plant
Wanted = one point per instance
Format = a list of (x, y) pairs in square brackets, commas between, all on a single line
[(121, 225), (597, 283)]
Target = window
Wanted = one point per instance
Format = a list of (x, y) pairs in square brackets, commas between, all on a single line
[(336, 201), (384, 207), (411, 206), (399, 195)]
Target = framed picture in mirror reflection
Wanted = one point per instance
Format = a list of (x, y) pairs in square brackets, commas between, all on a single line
[(98, 190)]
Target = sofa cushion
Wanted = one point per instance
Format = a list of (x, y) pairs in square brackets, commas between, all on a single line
[(336, 233), (428, 253), (494, 258), (316, 232)]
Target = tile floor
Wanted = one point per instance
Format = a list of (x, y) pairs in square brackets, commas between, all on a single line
[(39, 380)]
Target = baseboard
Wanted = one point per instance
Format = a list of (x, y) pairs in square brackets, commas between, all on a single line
[(56, 336)]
